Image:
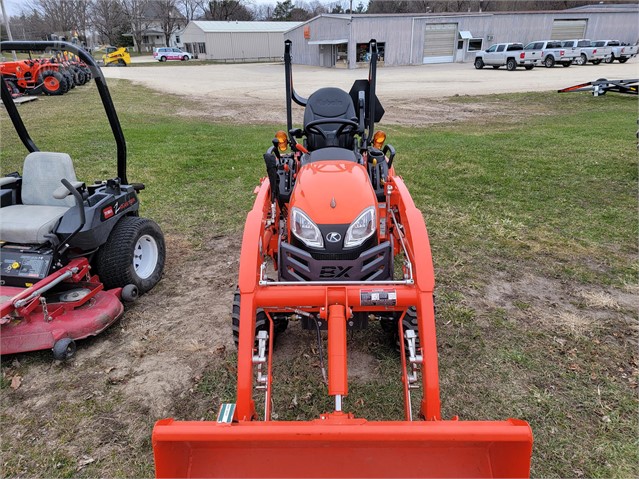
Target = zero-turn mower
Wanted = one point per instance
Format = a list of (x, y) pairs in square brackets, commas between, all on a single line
[(335, 240), (70, 253)]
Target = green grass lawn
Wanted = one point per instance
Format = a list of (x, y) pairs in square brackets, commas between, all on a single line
[(551, 194)]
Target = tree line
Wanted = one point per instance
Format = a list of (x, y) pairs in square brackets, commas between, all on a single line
[(118, 22)]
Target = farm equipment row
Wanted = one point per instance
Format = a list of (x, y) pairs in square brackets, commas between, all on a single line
[(55, 75)]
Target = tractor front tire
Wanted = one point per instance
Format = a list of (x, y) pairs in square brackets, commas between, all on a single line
[(261, 322), (12, 87), (133, 254), (53, 83), (389, 325)]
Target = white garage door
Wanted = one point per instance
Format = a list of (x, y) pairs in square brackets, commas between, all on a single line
[(568, 29), (440, 42)]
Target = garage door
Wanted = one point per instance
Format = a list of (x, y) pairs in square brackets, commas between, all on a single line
[(568, 29), (440, 42)]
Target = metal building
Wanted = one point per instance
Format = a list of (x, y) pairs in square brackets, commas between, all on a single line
[(236, 41), (407, 39)]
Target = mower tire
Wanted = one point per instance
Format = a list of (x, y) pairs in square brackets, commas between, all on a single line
[(134, 254), (261, 322), (129, 293), (64, 349)]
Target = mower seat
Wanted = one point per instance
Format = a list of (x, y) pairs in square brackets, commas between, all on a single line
[(329, 103), (39, 214)]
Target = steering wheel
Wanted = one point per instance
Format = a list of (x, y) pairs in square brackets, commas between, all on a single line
[(346, 126)]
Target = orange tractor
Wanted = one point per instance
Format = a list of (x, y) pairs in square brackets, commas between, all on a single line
[(335, 239)]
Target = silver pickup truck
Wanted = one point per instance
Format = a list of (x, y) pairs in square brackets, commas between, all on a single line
[(587, 52), (620, 52), (510, 54), (549, 53)]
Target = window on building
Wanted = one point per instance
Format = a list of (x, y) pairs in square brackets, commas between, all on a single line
[(201, 47), (460, 44), (364, 56), (342, 53), (177, 39), (145, 39), (188, 47), (475, 44)]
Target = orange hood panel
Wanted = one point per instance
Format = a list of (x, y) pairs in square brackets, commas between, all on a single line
[(333, 192)]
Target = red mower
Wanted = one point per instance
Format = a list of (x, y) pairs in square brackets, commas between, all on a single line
[(335, 241), (69, 253)]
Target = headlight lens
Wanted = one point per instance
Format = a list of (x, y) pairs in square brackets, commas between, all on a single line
[(304, 228), (361, 229)]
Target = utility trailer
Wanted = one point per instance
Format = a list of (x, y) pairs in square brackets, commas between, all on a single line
[(331, 219), (602, 86)]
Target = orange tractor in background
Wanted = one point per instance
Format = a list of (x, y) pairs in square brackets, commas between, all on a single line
[(335, 239), (55, 75)]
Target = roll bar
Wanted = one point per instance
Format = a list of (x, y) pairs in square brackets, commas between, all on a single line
[(374, 107), (100, 82)]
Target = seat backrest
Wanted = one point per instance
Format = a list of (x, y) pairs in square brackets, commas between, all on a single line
[(41, 176), (329, 103)]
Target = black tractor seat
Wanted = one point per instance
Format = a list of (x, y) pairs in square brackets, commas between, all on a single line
[(327, 103)]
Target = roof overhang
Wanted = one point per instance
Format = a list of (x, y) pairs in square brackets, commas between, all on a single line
[(328, 42), (465, 35)]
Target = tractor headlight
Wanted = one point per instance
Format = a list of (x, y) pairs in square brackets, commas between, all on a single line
[(304, 228), (361, 229)]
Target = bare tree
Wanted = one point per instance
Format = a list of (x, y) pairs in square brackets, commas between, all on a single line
[(169, 18), (135, 13), (227, 10), (109, 20), (191, 9)]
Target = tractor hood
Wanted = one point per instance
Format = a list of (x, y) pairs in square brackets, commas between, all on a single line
[(333, 192)]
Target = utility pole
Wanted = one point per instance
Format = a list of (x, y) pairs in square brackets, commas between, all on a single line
[(6, 25)]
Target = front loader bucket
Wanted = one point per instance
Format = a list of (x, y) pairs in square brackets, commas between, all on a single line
[(344, 448)]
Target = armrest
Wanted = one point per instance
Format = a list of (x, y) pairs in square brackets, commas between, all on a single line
[(62, 192), (7, 180)]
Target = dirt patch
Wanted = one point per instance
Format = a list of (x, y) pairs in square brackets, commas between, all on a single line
[(558, 305), (120, 382)]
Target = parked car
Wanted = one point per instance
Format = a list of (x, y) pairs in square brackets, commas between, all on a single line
[(587, 52), (620, 52), (510, 54), (170, 53), (548, 53)]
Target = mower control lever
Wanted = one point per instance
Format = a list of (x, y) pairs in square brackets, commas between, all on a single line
[(80, 204)]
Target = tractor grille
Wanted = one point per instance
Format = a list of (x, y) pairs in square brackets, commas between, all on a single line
[(373, 264)]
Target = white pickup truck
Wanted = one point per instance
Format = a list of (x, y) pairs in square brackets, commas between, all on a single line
[(587, 52), (549, 53), (510, 54), (620, 52)]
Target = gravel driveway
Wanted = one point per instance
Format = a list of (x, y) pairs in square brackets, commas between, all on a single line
[(232, 91)]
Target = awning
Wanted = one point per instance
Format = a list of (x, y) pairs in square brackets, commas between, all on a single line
[(465, 35), (327, 42)]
